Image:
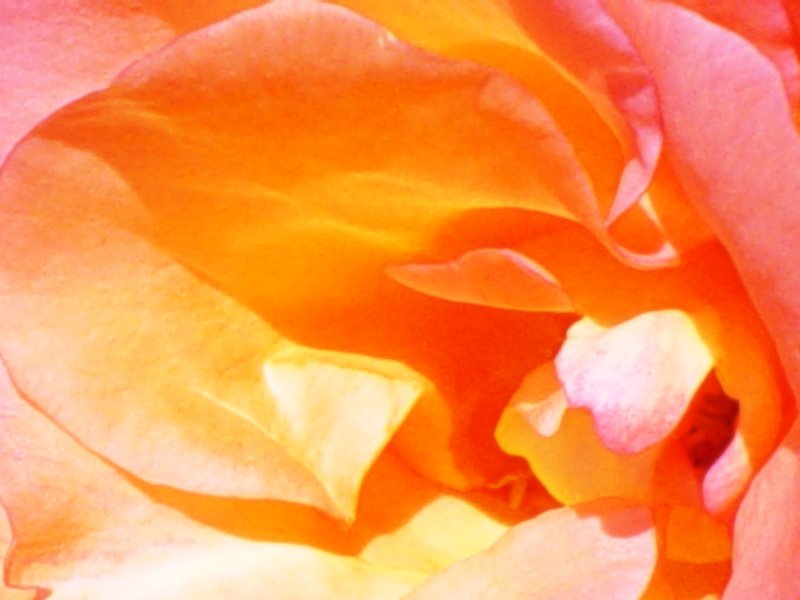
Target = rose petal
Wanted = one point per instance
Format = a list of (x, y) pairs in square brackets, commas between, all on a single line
[(110, 316), (766, 535), (93, 42), (592, 551), (563, 450), (488, 277), (83, 529), (293, 224), (695, 536), (499, 36), (583, 38), (637, 378), (334, 413), (766, 25), (6, 592), (740, 118)]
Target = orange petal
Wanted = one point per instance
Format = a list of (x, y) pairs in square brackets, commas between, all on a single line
[(563, 450), (695, 536), (289, 224), (591, 551), (488, 277), (116, 318), (637, 378), (499, 35), (766, 535), (736, 144), (6, 592), (84, 530), (334, 413), (93, 42)]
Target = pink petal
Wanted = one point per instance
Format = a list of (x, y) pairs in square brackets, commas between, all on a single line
[(636, 378), (583, 552), (54, 51), (766, 536), (734, 145)]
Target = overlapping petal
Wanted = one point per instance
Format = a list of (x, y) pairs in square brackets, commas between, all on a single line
[(84, 530), (767, 530), (93, 42), (589, 551), (637, 378), (739, 172)]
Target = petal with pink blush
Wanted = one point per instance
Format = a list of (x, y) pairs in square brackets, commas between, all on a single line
[(766, 535), (583, 552), (734, 145), (637, 378), (488, 277)]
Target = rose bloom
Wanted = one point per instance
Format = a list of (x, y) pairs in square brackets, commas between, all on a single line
[(487, 299)]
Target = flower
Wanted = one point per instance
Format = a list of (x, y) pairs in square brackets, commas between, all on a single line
[(372, 300)]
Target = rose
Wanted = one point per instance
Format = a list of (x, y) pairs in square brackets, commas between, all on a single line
[(117, 238)]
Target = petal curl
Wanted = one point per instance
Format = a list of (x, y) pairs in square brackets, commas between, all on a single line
[(637, 378), (590, 551), (489, 277)]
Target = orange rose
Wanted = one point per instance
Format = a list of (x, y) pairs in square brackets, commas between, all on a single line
[(435, 300)]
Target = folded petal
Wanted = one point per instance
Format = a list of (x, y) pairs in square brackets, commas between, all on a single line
[(589, 551), (637, 378), (734, 147), (536, 46), (581, 37), (563, 450), (488, 277), (334, 413), (84, 530)]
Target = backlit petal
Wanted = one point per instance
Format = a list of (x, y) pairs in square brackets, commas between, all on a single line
[(84, 530), (489, 277)]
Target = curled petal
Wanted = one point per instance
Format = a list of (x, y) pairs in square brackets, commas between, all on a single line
[(637, 378), (488, 277)]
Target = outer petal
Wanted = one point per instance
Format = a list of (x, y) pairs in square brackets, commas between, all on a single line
[(735, 148), (765, 24), (766, 537), (53, 51), (593, 551), (637, 378), (83, 529)]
